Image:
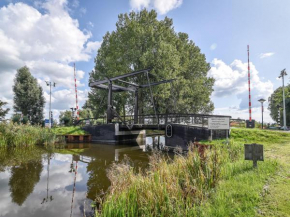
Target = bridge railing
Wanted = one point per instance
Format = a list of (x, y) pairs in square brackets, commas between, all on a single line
[(188, 119), (152, 119)]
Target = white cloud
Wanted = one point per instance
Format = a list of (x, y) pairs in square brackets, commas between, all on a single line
[(64, 99), (236, 113), (46, 42), (264, 55), (213, 46), (93, 46), (139, 4), (162, 6), (60, 73), (232, 80)]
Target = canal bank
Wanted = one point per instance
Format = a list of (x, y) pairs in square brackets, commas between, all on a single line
[(57, 180), (60, 181)]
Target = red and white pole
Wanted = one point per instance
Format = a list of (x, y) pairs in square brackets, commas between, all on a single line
[(76, 91), (74, 189), (249, 83)]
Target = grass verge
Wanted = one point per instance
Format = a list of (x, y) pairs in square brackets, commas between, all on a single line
[(222, 184), (69, 131)]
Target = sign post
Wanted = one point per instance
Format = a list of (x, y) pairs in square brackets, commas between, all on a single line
[(254, 152), (219, 123), (47, 123)]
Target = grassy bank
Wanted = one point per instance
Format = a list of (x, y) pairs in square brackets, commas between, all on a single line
[(221, 184), (274, 200), (15, 135), (69, 131)]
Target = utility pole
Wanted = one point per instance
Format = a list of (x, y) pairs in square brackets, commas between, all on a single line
[(49, 83), (249, 85), (73, 114), (282, 74), (262, 107)]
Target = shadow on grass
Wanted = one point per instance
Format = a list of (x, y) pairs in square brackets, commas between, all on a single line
[(238, 168)]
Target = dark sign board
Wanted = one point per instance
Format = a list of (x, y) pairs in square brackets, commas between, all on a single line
[(250, 124), (254, 152)]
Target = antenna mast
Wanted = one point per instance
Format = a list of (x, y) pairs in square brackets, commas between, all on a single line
[(249, 83), (76, 91)]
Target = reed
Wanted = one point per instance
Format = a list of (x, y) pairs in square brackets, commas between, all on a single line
[(170, 187), (15, 135)]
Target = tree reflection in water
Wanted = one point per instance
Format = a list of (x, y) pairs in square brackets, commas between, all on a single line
[(23, 179), (25, 165)]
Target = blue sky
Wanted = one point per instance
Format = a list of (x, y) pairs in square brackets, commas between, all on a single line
[(60, 32)]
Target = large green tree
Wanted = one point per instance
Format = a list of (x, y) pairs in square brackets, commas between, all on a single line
[(28, 96), (65, 118), (3, 111), (276, 104), (141, 41)]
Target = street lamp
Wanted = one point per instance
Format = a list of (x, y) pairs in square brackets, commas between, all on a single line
[(262, 101), (49, 83), (282, 74)]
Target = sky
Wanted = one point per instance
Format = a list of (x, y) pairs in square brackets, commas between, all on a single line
[(49, 36)]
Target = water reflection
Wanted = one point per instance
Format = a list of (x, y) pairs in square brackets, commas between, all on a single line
[(71, 181), (48, 198), (23, 179)]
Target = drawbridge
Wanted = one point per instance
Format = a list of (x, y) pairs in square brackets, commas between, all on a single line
[(117, 129)]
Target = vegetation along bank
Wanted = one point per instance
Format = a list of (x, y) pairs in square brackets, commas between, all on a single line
[(217, 183)]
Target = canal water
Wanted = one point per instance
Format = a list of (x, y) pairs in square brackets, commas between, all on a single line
[(62, 182)]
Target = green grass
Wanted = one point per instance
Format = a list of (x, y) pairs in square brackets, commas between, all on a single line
[(259, 136), (239, 192), (276, 202), (69, 131), (187, 187)]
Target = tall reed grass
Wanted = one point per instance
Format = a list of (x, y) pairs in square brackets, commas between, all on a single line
[(15, 135), (170, 187)]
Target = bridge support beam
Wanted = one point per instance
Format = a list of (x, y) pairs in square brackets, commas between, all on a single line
[(110, 115), (136, 107)]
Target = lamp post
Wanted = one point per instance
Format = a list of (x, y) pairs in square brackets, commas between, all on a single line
[(262, 101), (282, 74), (49, 83)]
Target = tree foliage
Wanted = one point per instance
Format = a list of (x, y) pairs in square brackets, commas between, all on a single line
[(141, 41), (28, 96), (276, 100), (65, 118), (3, 111)]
